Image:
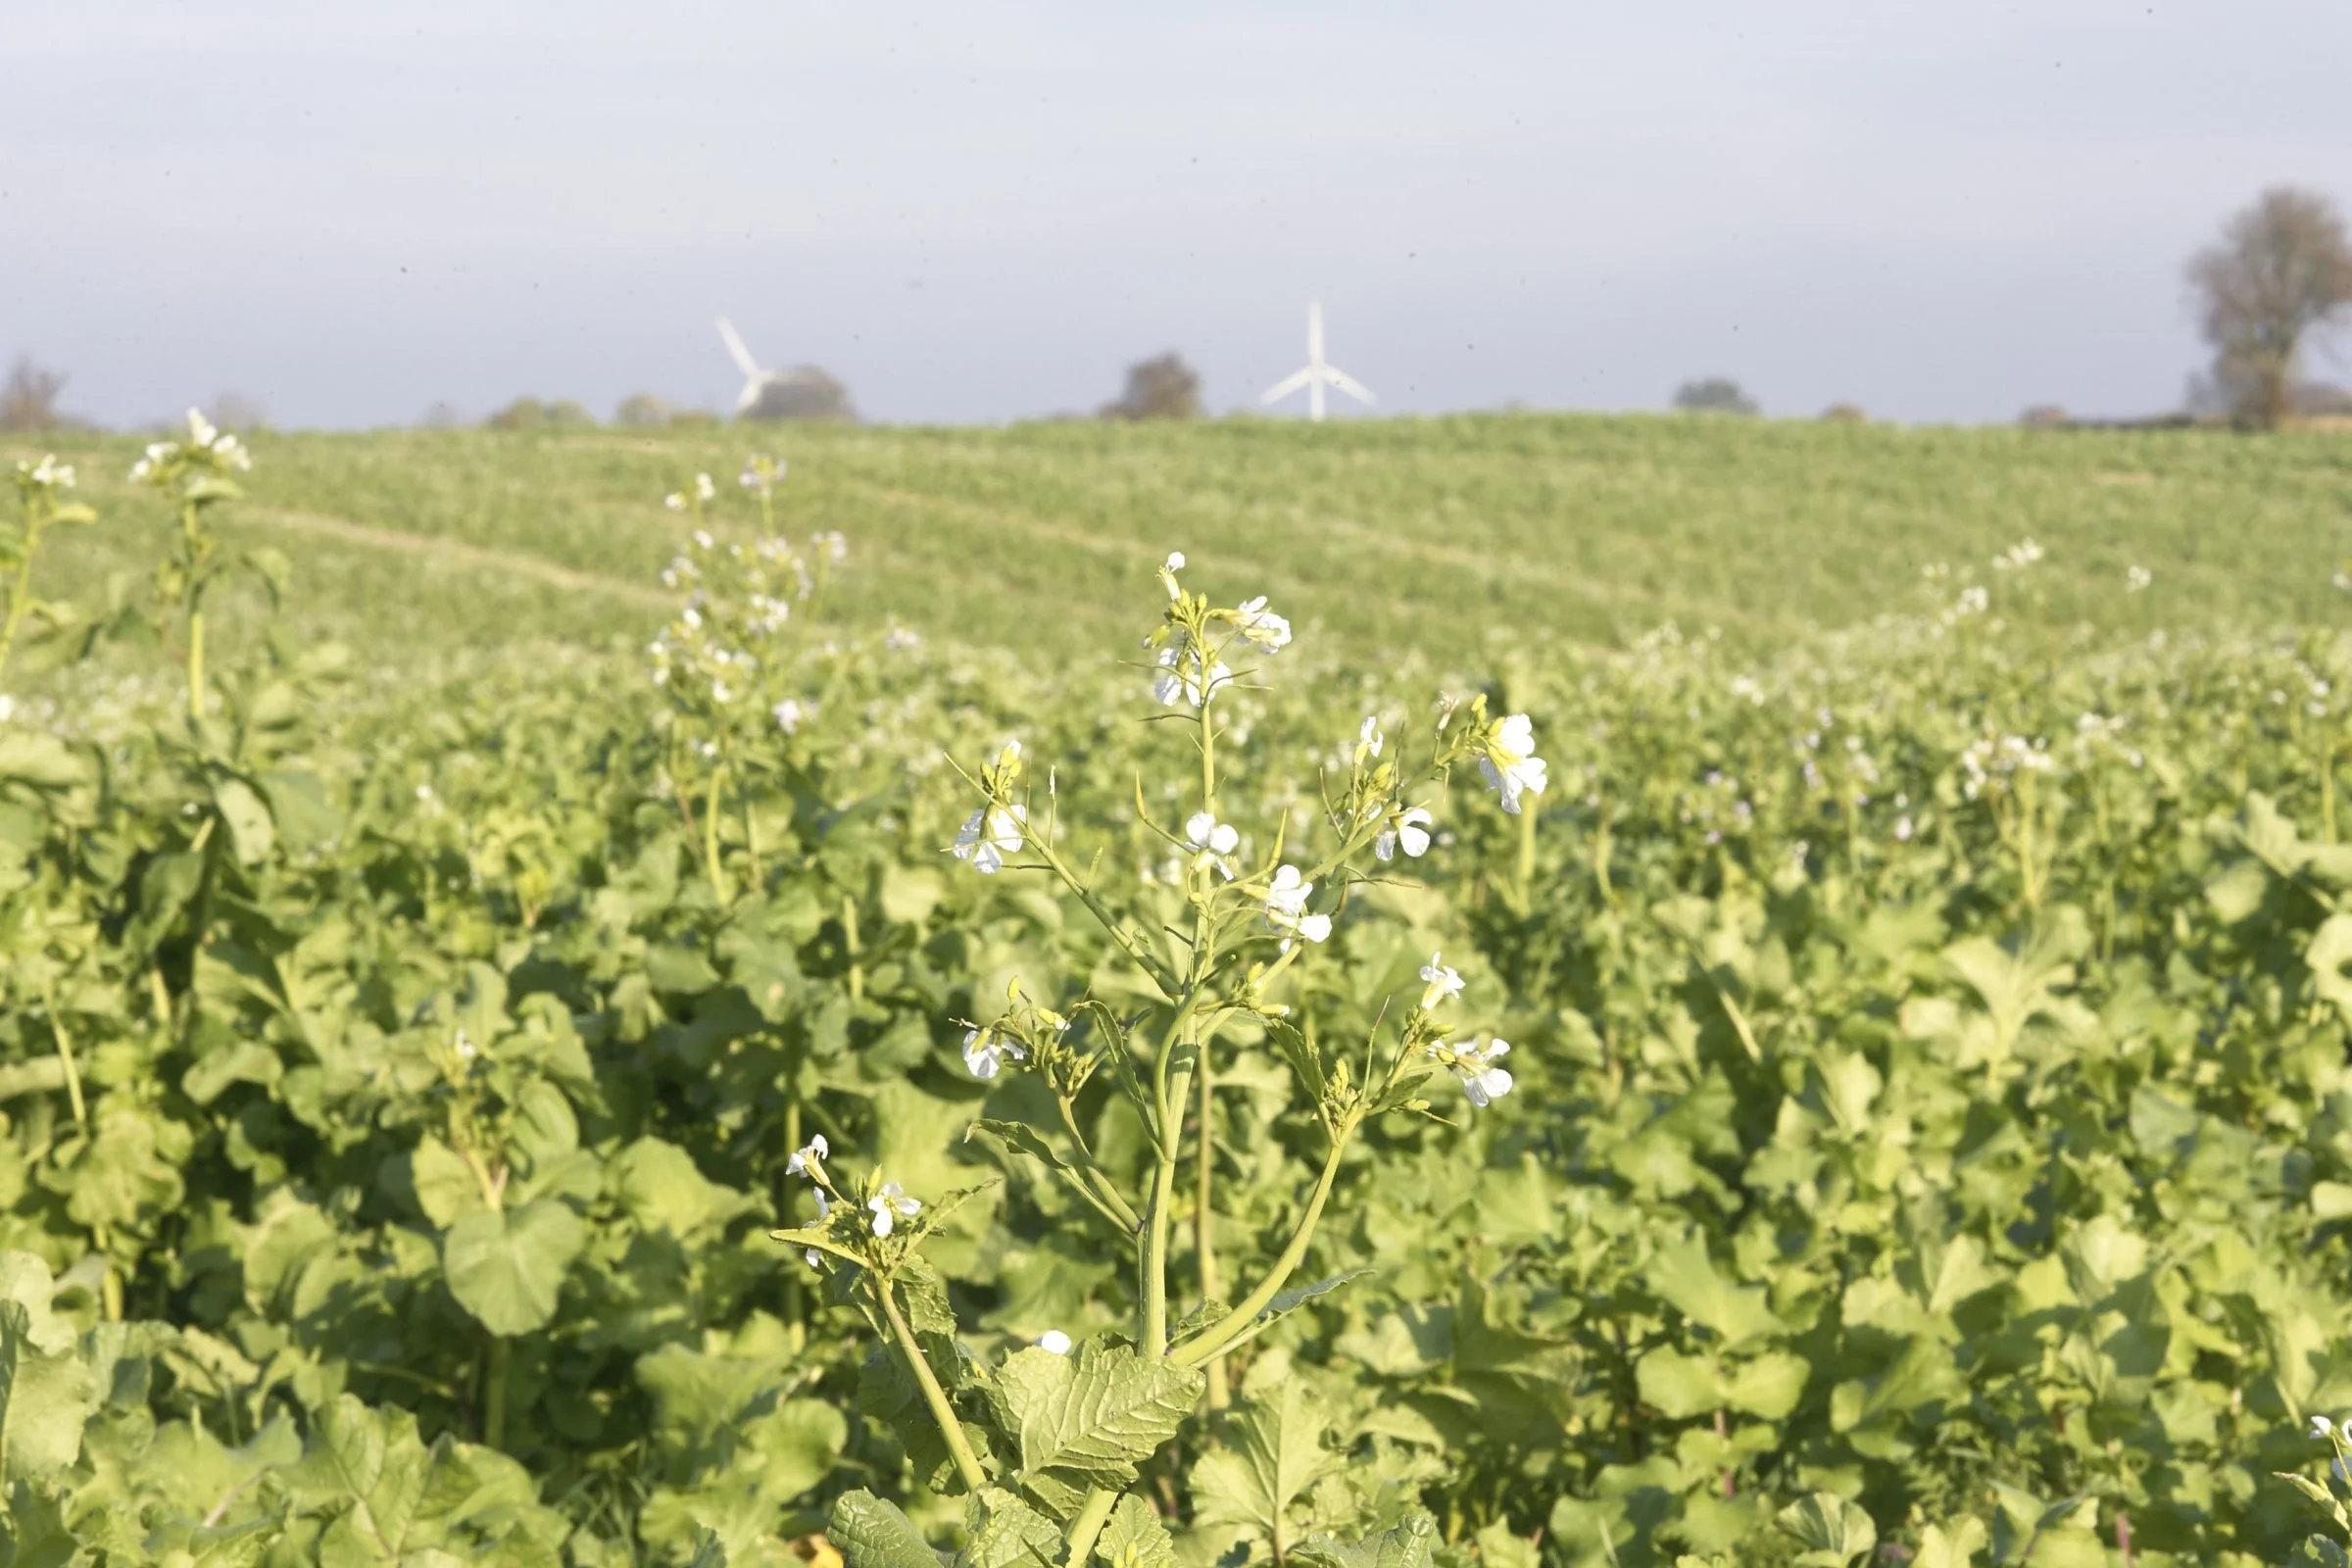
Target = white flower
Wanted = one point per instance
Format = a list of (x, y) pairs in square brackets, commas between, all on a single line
[(1285, 908), (985, 1050), (1261, 627), (1440, 983), (1175, 562), (705, 490), (1508, 763), (990, 834), (891, 1201), (48, 474), (1168, 569), (701, 536), (1974, 600), (1178, 683), (674, 501), (809, 1153), (200, 429), (1474, 1065), (1409, 830), (789, 714), (2136, 579), (1368, 738), (2322, 1427), (466, 1048), (2017, 556), (1054, 1342), (1213, 843), (899, 639), (1903, 828)]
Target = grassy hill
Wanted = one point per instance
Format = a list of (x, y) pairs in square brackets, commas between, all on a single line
[(1435, 531)]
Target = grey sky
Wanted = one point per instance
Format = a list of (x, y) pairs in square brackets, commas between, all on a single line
[(976, 213)]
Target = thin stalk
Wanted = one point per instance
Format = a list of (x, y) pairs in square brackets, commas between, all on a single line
[(1155, 1336), (751, 842), (1129, 943), (967, 1464), (1087, 1528), (1525, 869), (19, 593), (851, 945), (65, 1056), (1218, 1335), (195, 662), (718, 783), (1101, 1183), (494, 1394), (1205, 1225)]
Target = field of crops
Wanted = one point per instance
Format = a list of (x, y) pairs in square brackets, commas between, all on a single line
[(1875, 1094)]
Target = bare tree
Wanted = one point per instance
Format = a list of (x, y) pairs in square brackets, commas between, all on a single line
[(1714, 394), (2282, 271), (28, 398), (1162, 387)]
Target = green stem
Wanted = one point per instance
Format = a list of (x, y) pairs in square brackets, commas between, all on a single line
[(19, 593), (1129, 943), (65, 1056), (718, 783), (967, 1464), (1100, 1183), (1087, 1528), (1526, 865), (852, 947), (1218, 1335), (1205, 1227), (195, 662), (494, 1395)]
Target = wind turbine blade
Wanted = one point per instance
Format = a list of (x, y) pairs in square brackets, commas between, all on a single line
[(1314, 331), (1287, 385), (742, 355), (1349, 384)]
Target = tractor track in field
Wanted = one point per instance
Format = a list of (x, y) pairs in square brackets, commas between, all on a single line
[(456, 551)]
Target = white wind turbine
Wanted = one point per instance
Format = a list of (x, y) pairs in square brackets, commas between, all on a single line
[(755, 379), (1315, 374)]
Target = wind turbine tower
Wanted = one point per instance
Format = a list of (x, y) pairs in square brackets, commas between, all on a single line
[(1316, 374)]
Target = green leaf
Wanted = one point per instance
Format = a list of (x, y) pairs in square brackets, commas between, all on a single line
[(45, 1396), (1680, 1386), (1134, 1537), (1006, 1533), (1100, 1412), (1832, 1531), (1275, 1450), (1769, 1386), (506, 1267), (1956, 1548), (874, 1534), (42, 760), (1408, 1545), (252, 831), (1685, 1279), (446, 1187)]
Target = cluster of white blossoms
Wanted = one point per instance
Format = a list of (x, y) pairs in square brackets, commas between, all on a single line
[(1285, 908), (2018, 556), (737, 595), (761, 473), (2137, 579), (1475, 1062), (46, 474), (1991, 760), (990, 834), (203, 447), (890, 1206), (1973, 601), (1187, 670), (1507, 756), (703, 492)]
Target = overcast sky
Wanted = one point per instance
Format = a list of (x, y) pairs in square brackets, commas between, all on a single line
[(983, 211)]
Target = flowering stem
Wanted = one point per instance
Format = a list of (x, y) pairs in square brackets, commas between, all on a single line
[(1219, 1334), (967, 1464)]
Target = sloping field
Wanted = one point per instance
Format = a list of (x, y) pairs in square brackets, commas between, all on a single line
[(1437, 531)]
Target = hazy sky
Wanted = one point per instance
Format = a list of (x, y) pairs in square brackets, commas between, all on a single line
[(980, 212)]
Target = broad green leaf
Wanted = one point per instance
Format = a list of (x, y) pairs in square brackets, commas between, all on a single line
[(506, 1267), (446, 1187), (1098, 1412), (1832, 1531), (871, 1532), (46, 1398), (1685, 1279), (1134, 1537), (1953, 1548), (252, 832), (1408, 1545), (1274, 1451), (1006, 1533)]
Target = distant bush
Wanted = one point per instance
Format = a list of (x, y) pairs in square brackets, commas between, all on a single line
[(28, 398), (529, 413), (693, 419), (2044, 417), (1162, 387), (1844, 414), (1714, 394), (642, 408), (803, 392)]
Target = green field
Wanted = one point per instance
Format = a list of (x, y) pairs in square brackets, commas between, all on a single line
[(1885, 1097), (1436, 532)]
